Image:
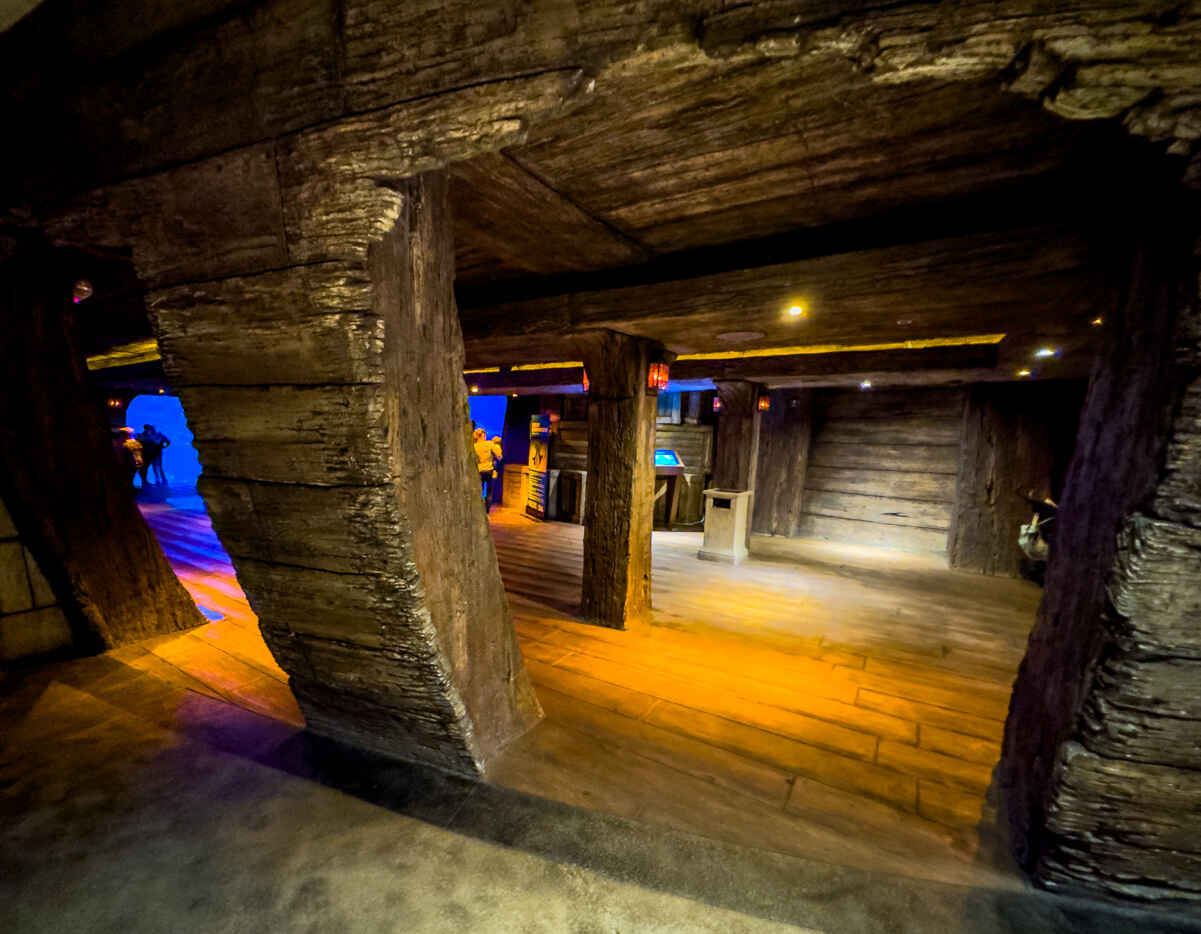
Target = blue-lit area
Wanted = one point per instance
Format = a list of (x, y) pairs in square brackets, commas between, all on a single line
[(488, 412), (665, 457), (166, 414)]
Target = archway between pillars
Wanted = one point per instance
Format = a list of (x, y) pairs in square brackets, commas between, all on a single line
[(360, 235)]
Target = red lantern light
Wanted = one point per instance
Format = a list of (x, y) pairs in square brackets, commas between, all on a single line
[(764, 403), (657, 376), (717, 403), (584, 381)]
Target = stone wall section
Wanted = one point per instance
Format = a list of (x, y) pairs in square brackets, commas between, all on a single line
[(31, 621)]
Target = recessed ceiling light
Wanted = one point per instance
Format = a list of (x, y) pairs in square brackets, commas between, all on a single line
[(1096, 322), (866, 384), (514, 395), (904, 322), (1043, 352), (475, 388), (796, 311), (1023, 372)]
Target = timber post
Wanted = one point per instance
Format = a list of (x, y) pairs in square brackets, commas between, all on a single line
[(620, 504)]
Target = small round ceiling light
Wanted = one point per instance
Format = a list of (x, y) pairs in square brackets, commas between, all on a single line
[(796, 311), (1044, 352), (81, 291), (904, 322), (1023, 373), (866, 384), (475, 388), (1097, 321)]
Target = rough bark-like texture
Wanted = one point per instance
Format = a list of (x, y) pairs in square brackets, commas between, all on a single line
[(784, 435), (1007, 454), (332, 423), (736, 457), (619, 503), (1070, 814), (60, 479)]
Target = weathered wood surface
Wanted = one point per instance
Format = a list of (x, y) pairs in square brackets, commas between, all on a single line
[(309, 325), (856, 532), (216, 76), (511, 214), (1097, 645), (1006, 457), (882, 509), (856, 293), (736, 455), (339, 473), (72, 504), (939, 461), (619, 506), (878, 475), (784, 435)]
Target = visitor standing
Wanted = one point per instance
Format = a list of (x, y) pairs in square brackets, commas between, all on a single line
[(486, 454), (131, 456), (153, 443)]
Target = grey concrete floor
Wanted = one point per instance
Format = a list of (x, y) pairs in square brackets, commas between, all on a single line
[(128, 805)]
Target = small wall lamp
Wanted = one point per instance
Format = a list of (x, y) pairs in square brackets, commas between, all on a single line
[(764, 403), (656, 378), (584, 381)]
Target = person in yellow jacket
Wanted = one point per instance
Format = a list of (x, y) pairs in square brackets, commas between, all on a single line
[(487, 453)]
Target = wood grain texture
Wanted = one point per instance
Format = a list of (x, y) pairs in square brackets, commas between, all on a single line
[(879, 474), (736, 459), (312, 486), (784, 437), (619, 509), (1082, 661), (70, 501), (1007, 459)]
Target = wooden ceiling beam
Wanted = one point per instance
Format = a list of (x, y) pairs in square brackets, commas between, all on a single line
[(503, 210), (1023, 280)]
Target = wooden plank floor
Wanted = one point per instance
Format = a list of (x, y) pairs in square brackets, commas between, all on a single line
[(843, 703)]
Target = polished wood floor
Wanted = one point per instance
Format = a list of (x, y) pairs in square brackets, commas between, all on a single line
[(843, 703)]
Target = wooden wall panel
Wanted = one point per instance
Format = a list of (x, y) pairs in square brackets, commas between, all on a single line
[(882, 468), (784, 438)]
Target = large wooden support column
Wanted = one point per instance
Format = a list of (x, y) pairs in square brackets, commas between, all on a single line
[(330, 415), (59, 476), (735, 463), (1006, 452), (619, 508), (1100, 776), (784, 434)]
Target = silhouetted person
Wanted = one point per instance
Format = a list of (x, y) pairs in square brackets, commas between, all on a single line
[(153, 442), (486, 453)]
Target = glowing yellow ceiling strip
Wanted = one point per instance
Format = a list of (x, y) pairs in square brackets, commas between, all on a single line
[(125, 355), (562, 365), (484, 369), (969, 340)]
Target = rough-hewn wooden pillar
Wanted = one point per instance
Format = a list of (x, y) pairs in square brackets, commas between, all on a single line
[(1099, 776), (330, 415), (735, 463), (784, 434), (1006, 452), (59, 476), (619, 507)]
